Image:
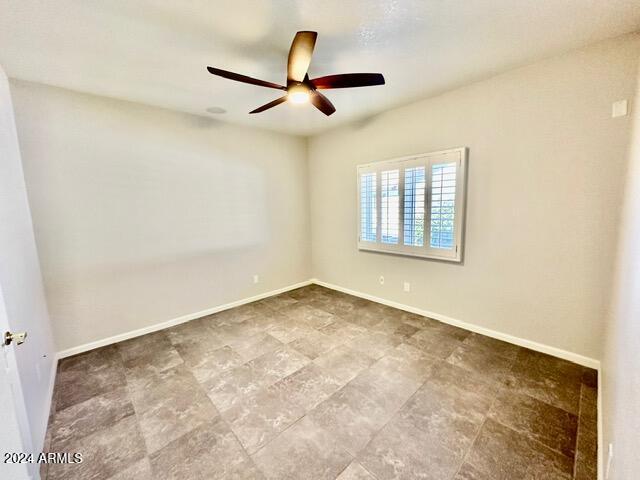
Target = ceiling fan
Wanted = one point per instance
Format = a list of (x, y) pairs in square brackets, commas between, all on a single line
[(299, 87)]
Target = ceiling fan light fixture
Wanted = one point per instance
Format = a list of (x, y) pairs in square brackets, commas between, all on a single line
[(298, 94), (300, 88)]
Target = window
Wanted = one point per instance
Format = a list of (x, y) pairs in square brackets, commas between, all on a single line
[(414, 205)]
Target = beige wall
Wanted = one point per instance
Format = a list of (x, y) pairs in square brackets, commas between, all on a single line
[(143, 215), (621, 364), (546, 171)]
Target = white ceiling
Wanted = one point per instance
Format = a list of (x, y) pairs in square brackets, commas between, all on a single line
[(156, 51)]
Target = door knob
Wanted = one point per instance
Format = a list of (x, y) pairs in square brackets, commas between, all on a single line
[(18, 337)]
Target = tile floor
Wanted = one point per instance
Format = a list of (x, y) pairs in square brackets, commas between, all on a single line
[(316, 384)]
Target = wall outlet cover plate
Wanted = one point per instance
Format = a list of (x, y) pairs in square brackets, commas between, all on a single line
[(619, 109)]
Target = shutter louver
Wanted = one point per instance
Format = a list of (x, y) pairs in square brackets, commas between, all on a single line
[(443, 200), (390, 206), (368, 213), (414, 195)]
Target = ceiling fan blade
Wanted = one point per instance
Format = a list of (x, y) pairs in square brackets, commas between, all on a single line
[(348, 80), (243, 78), (269, 105), (321, 102), (300, 55)]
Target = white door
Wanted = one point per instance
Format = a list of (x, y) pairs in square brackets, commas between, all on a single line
[(27, 369), (13, 415)]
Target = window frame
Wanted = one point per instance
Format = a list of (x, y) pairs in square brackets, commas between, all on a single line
[(460, 156)]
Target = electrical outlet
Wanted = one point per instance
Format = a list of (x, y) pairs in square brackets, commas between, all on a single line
[(407, 287), (381, 280), (619, 109), (609, 460), (256, 279)]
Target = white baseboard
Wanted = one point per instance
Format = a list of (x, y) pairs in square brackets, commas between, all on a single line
[(175, 321), (38, 445), (539, 347), (52, 383)]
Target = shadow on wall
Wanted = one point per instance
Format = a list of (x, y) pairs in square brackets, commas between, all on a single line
[(202, 122), (158, 213), (363, 123)]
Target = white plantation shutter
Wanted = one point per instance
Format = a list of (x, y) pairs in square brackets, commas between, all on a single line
[(414, 205), (368, 207), (389, 206), (443, 205), (414, 198)]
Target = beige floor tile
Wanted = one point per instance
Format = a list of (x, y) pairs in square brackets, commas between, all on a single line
[(290, 329), (311, 316), (207, 365), (409, 361), (450, 407), (148, 354), (547, 378), (355, 471), (87, 417), (209, 452), (468, 472), (256, 345), (228, 388), (434, 342), (89, 374), (374, 344), (504, 454), (343, 362), (168, 404), (196, 331), (491, 345), (343, 330), (401, 452), (482, 360), (140, 470), (303, 451), (351, 417), (260, 417), (385, 386), (309, 386), (104, 452), (315, 344), (547, 424)]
